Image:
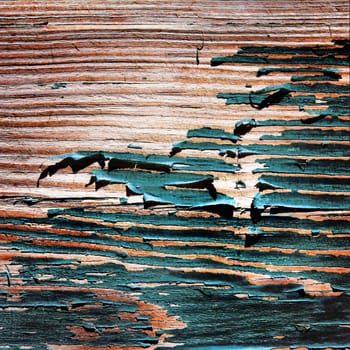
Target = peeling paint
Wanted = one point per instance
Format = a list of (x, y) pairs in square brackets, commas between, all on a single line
[(145, 274)]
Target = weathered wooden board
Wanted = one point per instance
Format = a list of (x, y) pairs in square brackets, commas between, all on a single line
[(174, 175)]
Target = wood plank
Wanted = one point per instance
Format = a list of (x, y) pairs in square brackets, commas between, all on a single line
[(217, 136)]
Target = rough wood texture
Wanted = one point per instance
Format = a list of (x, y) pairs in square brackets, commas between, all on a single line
[(217, 136)]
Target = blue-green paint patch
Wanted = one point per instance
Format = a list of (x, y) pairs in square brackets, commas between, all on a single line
[(212, 133), (296, 201), (334, 167), (308, 183), (310, 134), (336, 55), (293, 149), (56, 86), (167, 188), (331, 73)]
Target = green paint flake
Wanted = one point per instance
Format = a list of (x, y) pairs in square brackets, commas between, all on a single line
[(331, 73), (294, 183), (317, 51), (310, 134), (319, 120), (166, 188), (256, 60), (295, 201), (134, 146), (335, 167), (311, 88), (323, 77), (330, 56), (212, 133), (56, 86), (296, 149)]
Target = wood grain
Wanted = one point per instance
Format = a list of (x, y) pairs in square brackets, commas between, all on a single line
[(85, 269)]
